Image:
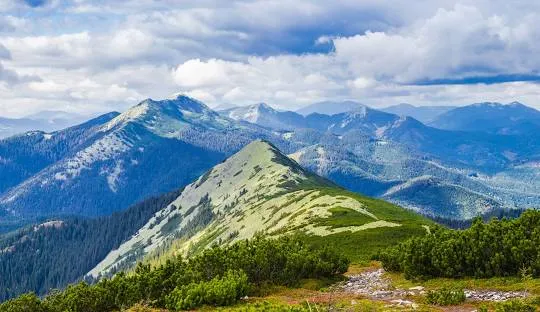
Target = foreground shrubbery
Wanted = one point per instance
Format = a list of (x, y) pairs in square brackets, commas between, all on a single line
[(515, 306), (445, 297), (218, 276), (220, 291), (497, 248)]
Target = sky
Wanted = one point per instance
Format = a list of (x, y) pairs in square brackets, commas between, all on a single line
[(96, 56)]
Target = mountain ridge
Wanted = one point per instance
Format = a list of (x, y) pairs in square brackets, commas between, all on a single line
[(257, 190)]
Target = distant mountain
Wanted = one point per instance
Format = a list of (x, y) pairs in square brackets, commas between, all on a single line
[(224, 106), (46, 121), (373, 167), (362, 118), (26, 154), (9, 127), (264, 115), (53, 115), (330, 108), (258, 190), (103, 173), (505, 119), (425, 114)]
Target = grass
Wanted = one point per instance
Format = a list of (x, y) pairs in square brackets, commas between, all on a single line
[(360, 246), (343, 217)]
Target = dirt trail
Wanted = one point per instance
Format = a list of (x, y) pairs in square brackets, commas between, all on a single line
[(374, 285)]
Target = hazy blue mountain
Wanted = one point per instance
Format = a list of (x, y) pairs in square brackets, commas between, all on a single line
[(506, 119), (361, 118), (266, 116), (46, 121), (379, 167), (330, 108), (425, 114), (23, 155), (483, 151), (486, 151), (53, 115), (9, 127)]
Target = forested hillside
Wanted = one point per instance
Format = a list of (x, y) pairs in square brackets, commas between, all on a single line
[(55, 253)]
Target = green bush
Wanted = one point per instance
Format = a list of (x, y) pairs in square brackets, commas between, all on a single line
[(498, 248), (80, 298), (218, 292), (24, 303), (514, 306), (445, 297)]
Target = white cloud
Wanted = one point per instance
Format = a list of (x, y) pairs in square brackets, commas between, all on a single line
[(102, 55), (451, 44), (195, 73)]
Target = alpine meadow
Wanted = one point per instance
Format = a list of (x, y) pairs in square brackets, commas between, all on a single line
[(269, 155)]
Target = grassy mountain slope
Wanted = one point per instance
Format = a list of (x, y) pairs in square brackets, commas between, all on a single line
[(259, 190)]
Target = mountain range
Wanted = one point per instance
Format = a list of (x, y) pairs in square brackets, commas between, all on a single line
[(171, 142), (168, 142)]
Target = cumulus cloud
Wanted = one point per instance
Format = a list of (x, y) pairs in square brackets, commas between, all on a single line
[(385, 66), (440, 47), (101, 55), (11, 77)]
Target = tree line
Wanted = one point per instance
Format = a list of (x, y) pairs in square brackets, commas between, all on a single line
[(40, 258)]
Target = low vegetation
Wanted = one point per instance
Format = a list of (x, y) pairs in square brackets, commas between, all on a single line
[(495, 249), (218, 276), (514, 306), (445, 297)]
